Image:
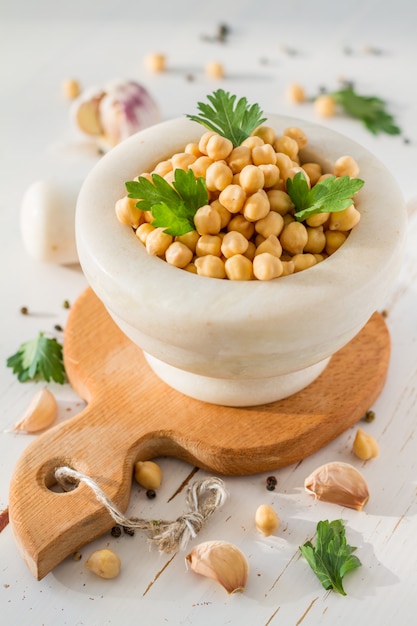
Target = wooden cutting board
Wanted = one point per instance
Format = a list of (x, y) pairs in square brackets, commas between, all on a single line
[(131, 415)]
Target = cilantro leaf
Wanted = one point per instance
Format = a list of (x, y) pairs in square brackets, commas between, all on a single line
[(38, 359), (233, 122), (371, 110), (332, 557), (330, 195), (172, 207)]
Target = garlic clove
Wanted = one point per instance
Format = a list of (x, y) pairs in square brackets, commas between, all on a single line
[(86, 111), (365, 446), (266, 519), (40, 414), (221, 561), (339, 483)]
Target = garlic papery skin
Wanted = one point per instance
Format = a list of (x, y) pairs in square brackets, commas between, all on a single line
[(40, 414), (364, 446), (339, 483), (221, 561)]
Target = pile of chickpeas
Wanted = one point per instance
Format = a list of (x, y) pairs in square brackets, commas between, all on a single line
[(247, 230)]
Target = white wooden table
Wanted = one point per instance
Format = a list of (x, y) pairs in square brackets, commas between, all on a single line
[(269, 46)]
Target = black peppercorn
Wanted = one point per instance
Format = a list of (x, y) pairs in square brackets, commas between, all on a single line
[(116, 531)]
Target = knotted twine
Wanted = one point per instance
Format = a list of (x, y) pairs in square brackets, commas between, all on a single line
[(203, 497)]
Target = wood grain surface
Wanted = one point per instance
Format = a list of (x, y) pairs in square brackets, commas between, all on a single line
[(132, 415)]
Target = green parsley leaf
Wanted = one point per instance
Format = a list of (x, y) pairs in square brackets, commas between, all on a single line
[(330, 195), (38, 359), (332, 557), (173, 208), (371, 110), (233, 122)]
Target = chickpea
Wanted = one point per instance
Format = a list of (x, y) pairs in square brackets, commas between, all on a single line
[(233, 243), (266, 133), (250, 251), (286, 145), (287, 268), (295, 170), (169, 177), (316, 241), (253, 141), (189, 239), (208, 244), (191, 268), (71, 88), (295, 93), (334, 239), (157, 242), (155, 62), (182, 160), (303, 261), (279, 201), (148, 474), (238, 158), (272, 224), (104, 563), (143, 231), (210, 266), (225, 215), (263, 155), (178, 254), (218, 147), (251, 179), (284, 164), (192, 148), (200, 165), (313, 171), (127, 212), (266, 519), (294, 237), (233, 198), (238, 267), (318, 219), (241, 224), (214, 69), (346, 166), (256, 206), (344, 220), (297, 134), (271, 174), (163, 167), (271, 245), (218, 176), (325, 105), (207, 220), (267, 266)]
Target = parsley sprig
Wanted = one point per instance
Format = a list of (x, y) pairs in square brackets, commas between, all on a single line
[(38, 359), (332, 557), (173, 208), (330, 195), (233, 122), (371, 110)]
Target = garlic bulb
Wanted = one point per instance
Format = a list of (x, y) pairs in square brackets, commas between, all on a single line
[(114, 112), (221, 561), (40, 414), (340, 483)]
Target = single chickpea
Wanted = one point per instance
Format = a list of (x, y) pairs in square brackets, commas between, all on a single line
[(334, 239), (346, 166), (189, 239), (287, 268), (284, 164), (288, 219), (271, 175), (143, 231), (191, 268), (163, 167), (127, 213), (157, 242), (294, 237), (316, 241), (182, 160), (325, 105), (251, 179), (263, 155), (218, 147), (313, 171), (149, 217), (344, 220), (225, 215), (233, 243), (238, 267), (298, 134), (214, 69), (295, 170), (286, 145), (71, 88), (266, 133), (324, 176), (256, 206), (202, 144), (155, 62), (178, 254), (200, 165), (280, 201), (250, 251), (146, 175), (233, 198), (295, 93), (303, 261), (210, 266), (318, 219), (207, 220), (267, 266), (169, 177), (272, 224), (241, 224), (218, 176), (239, 157), (252, 142), (271, 245), (192, 148), (208, 244)]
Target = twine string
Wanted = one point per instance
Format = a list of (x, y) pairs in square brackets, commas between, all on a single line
[(203, 497)]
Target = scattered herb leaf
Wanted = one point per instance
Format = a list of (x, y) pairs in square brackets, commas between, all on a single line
[(332, 557), (330, 195), (233, 122), (173, 208), (38, 359), (371, 110)]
